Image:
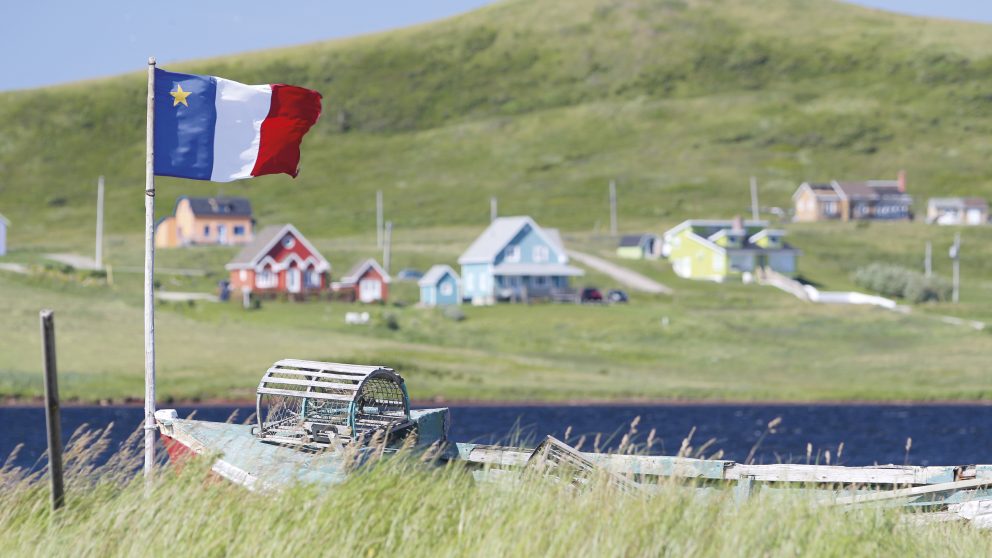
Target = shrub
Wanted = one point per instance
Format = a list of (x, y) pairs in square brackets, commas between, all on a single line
[(895, 281)]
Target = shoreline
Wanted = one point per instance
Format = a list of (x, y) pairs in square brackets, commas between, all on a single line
[(38, 402)]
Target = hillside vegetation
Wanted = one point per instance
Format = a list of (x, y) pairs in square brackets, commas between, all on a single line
[(541, 103)]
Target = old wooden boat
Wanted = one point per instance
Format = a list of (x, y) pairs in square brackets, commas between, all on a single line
[(316, 422)]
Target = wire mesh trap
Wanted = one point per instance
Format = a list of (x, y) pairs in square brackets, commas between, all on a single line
[(314, 403)]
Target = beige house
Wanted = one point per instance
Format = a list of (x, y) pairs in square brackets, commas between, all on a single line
[(217, 220), (852, 201), (957, 211)]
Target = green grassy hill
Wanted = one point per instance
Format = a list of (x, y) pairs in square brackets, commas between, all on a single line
[(541, 103)]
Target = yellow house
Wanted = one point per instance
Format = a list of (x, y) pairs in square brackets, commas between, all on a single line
[(716, 250), (218, 220)]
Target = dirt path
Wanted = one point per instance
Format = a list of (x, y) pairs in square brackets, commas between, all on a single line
[(628, 277)]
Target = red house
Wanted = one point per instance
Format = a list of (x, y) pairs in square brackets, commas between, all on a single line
[(279, 260), (368, 281)]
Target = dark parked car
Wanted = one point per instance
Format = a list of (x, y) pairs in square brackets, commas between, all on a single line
[(409, 274), (616, 296), (591, 294)]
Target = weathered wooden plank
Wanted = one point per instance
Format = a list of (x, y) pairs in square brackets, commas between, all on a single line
[(314, 374), (328, 366), (835, 474), (908, 492), (661, 465), (308, 383), (308, 395)]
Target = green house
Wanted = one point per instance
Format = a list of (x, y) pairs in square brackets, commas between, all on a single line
[(640, 247), (716, 250)]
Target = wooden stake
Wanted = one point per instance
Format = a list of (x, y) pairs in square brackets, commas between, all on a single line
[(150, 427), (386, 246), (754, 198), (52, 422), (613, 208), (378, 219), (99, 223), (493, 209)]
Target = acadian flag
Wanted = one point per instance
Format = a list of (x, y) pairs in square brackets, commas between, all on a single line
[(210, 128)]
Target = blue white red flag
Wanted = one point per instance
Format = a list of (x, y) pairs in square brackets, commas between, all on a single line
[(210, 128)]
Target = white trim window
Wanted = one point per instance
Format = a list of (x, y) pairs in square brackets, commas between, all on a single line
[(540, 253), (512, 254), (265, 278), (312, 278), (447, 289)]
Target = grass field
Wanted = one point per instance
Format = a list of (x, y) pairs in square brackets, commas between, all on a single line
[(404, 508), (707, 341)]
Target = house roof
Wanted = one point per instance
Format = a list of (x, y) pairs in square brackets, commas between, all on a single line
[(545, 269), (219, 205), (359, 269), (435, 274), (711, 225), (959, 202), (4, 220), (264, 240), (634, 239), (822, 190), (500, 232)]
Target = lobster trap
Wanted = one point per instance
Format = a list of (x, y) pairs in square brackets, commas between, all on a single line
[(311, 403)]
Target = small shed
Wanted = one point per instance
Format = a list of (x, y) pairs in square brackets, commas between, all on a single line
[(369, 281), (440, 287), (639, 247), (4, 223)]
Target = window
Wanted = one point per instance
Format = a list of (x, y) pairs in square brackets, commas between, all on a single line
[(470, 281), (312, 279), (540, 281), (239, 230), (512, 254), (288, 242), (540, 254), (206, 230), (265, 279), (447, 289)]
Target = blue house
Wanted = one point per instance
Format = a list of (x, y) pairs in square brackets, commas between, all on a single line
[(515, 259), (439, 287)]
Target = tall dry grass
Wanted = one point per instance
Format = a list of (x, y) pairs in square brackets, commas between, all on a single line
[(404, 507)]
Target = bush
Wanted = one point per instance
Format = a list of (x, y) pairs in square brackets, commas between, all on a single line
[(454, 313), (900, 282), (392, 322)]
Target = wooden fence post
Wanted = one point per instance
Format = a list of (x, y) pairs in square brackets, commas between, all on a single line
[(52, 420)]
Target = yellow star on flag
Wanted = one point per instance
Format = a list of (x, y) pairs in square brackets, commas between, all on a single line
[(179, 96)]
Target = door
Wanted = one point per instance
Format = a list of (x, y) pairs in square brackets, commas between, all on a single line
[(293, 280), (222, 234), (369, 290)]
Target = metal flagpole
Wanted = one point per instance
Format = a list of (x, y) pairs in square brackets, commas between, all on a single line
[(150, 274)]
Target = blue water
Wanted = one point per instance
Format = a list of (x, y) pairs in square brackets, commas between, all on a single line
[(941, 435)]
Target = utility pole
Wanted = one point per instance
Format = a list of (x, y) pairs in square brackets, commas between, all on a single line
[(956, 258), (754, 198), (492, 209), (378, 219), (613, 208), (386, 248), (99, 223), (928, 260)]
